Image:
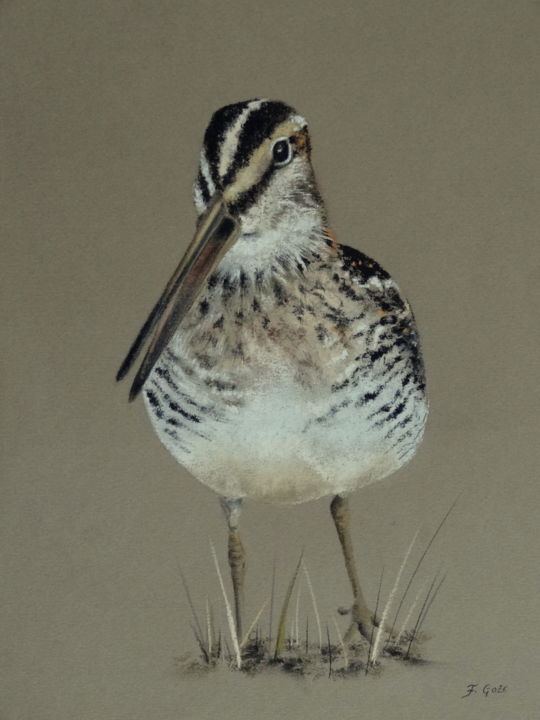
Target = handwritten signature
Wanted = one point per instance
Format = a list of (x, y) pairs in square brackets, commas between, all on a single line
[(486, 690)]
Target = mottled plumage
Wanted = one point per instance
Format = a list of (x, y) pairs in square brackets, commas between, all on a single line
[(295, 385)]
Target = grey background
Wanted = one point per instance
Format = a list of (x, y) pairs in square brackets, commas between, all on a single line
[(424, 121)]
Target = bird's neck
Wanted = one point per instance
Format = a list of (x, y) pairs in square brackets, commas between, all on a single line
[(287, 247)]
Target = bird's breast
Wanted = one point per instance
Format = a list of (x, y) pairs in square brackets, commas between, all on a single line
[(266, 394)]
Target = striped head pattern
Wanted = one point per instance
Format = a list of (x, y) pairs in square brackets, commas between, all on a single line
[(257, 155)]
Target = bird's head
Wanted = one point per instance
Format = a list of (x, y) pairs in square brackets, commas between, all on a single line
[(256, 161), (259, 212), (256, 157)]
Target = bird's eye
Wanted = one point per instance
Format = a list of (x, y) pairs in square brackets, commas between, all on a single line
[(282, 152)]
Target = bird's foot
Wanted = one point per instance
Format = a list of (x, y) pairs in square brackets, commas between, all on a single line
[(364, 621)]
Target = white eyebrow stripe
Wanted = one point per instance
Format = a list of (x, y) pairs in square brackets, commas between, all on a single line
[(205, 171), (230, 143), (197, 197)]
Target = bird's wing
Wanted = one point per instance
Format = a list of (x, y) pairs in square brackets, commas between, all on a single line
[(379, 332)]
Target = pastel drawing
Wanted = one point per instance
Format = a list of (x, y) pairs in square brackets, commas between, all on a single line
[(281, 365)]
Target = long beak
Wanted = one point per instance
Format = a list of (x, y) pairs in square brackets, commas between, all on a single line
[(215, 234)]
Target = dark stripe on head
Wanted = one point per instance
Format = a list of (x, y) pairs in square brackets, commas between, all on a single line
[(215, 133), (258, 126), (249, 197), (203, 187)]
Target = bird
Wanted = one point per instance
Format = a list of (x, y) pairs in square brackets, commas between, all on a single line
[(280, 365)]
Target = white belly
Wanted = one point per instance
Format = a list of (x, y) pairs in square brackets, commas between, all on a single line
[(283, 444)]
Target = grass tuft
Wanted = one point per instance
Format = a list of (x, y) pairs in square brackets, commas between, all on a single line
[(280, 641), (257, 651), (370, 660), (197, 629), (419, 563), (272, 593), (342, 644), (314, 603), (253, 626), (230, 619), (430, 597), (329, 652)]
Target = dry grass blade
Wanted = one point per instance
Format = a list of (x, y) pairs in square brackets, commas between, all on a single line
[(430, 603), (403, 630), (197, 629), (200, 643), (424, 605), (343, 646), (369, 656), (253, 624), (272, 601), (419, 563), (213, 626), (219, 647), (314, 602), (329, 651), (385, 612), (280, 641), (297, 615), (209, 629), (230, 619)]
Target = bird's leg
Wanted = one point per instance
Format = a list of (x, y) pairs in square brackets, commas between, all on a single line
[(237, 559), (362, 617)]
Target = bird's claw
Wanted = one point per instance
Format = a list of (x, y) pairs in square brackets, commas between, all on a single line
[(363, 620)]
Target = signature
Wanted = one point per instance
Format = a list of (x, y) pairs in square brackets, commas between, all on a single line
[(486, 690)]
